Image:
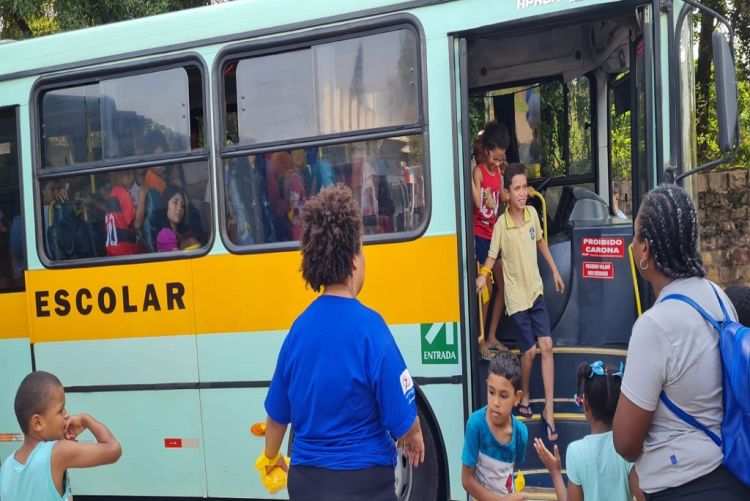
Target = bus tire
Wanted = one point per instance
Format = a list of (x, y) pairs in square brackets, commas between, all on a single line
[(422, 483)]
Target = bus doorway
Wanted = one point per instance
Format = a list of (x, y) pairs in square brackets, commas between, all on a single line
[(573, 95)]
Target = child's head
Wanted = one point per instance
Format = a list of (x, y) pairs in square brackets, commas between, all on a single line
[(40, 406), (514, 180), (495, 140), (599, 388), (503, 386), (740, 297), (124, 178)]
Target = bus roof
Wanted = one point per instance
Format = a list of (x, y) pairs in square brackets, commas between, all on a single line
[(182, 28)]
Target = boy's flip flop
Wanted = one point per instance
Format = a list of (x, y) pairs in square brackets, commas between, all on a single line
[(485, 352), (550, 430), (524, 410)]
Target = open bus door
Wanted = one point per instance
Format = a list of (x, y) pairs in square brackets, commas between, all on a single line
[(588, 241)]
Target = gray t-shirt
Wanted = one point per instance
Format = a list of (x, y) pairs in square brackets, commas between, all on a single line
[(673, 348)]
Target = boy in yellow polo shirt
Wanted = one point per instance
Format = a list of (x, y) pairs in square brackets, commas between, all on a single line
[(518, 234)]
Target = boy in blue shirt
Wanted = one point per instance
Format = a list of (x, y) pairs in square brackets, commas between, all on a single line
[(495, 439), (38, 470)]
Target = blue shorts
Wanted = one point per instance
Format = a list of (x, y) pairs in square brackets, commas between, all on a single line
[(532, 324), (481, 248)]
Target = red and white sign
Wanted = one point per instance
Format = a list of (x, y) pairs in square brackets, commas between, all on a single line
[(603, 247), (599, 269)]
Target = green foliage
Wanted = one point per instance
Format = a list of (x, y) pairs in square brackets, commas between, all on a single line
[(553, 130), (74, 14), (579, 99), (31, 18), (477, 116), (708, 148)]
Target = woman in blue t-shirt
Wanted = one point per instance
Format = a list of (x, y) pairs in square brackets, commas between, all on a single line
[(340, 379)]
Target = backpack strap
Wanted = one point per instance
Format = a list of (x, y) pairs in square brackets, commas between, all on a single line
[(727, 318), (688, 418), (698, 308)]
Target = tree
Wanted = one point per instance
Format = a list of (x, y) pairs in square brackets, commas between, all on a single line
[(30, 18), (738, 12)]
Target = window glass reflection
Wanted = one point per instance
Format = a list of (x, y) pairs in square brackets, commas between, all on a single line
[(265, 192)]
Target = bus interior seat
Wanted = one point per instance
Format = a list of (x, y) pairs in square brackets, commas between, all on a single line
[(69, 237), (246, 194), (151, 219), (559, 223)]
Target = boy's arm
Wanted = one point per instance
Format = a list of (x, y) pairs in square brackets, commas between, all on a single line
[(544, 250), (476, 183), (484, 272), (71, 454), (479, 493)]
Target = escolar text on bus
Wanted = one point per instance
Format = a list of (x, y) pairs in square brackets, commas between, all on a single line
[(109, 300)]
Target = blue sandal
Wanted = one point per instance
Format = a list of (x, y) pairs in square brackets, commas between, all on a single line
[(550, 430), (524, 410)]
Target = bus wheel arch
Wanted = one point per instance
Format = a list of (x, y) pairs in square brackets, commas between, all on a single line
[(430, 480)]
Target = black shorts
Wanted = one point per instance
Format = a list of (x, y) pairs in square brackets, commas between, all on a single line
[(308, 483), (532, 324), (720, 484)]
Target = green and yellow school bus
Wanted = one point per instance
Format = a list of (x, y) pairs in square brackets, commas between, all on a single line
[(253, 106)]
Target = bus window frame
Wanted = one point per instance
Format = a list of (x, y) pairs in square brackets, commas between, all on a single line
[(79, 77), (21, 199), (566, 178), (295, 41)]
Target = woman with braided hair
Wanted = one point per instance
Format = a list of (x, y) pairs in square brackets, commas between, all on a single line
[(340, 379), (673, 349)]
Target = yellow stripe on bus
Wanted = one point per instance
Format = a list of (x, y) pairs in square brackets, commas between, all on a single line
[(15, 321), (409, 282)]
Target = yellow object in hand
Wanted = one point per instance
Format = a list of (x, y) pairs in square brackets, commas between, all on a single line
[(275, 480), (520, 481)]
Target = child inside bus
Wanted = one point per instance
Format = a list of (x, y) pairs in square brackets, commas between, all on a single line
[(594, 469), (518, 235), (495, 439), (174, 232), (119, 220), (487, 194), (38, 470)]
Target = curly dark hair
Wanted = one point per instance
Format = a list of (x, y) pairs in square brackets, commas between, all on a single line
[(495, 135), (331, 237)]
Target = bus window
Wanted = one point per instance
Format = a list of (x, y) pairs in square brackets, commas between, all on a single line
[(12, 246), (265, 192), (325, 95), (620, 151), (107, 120), (129, 132), (579, 113), (361, 83)]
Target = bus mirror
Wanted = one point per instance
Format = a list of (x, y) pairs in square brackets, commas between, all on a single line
[(726, 92)]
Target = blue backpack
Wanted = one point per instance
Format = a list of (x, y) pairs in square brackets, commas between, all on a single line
[(734, 345)]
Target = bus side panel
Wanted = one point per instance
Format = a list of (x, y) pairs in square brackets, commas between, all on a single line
[(153, 360), (162, 445), (447, 404), (231, 449), (15, 363)]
